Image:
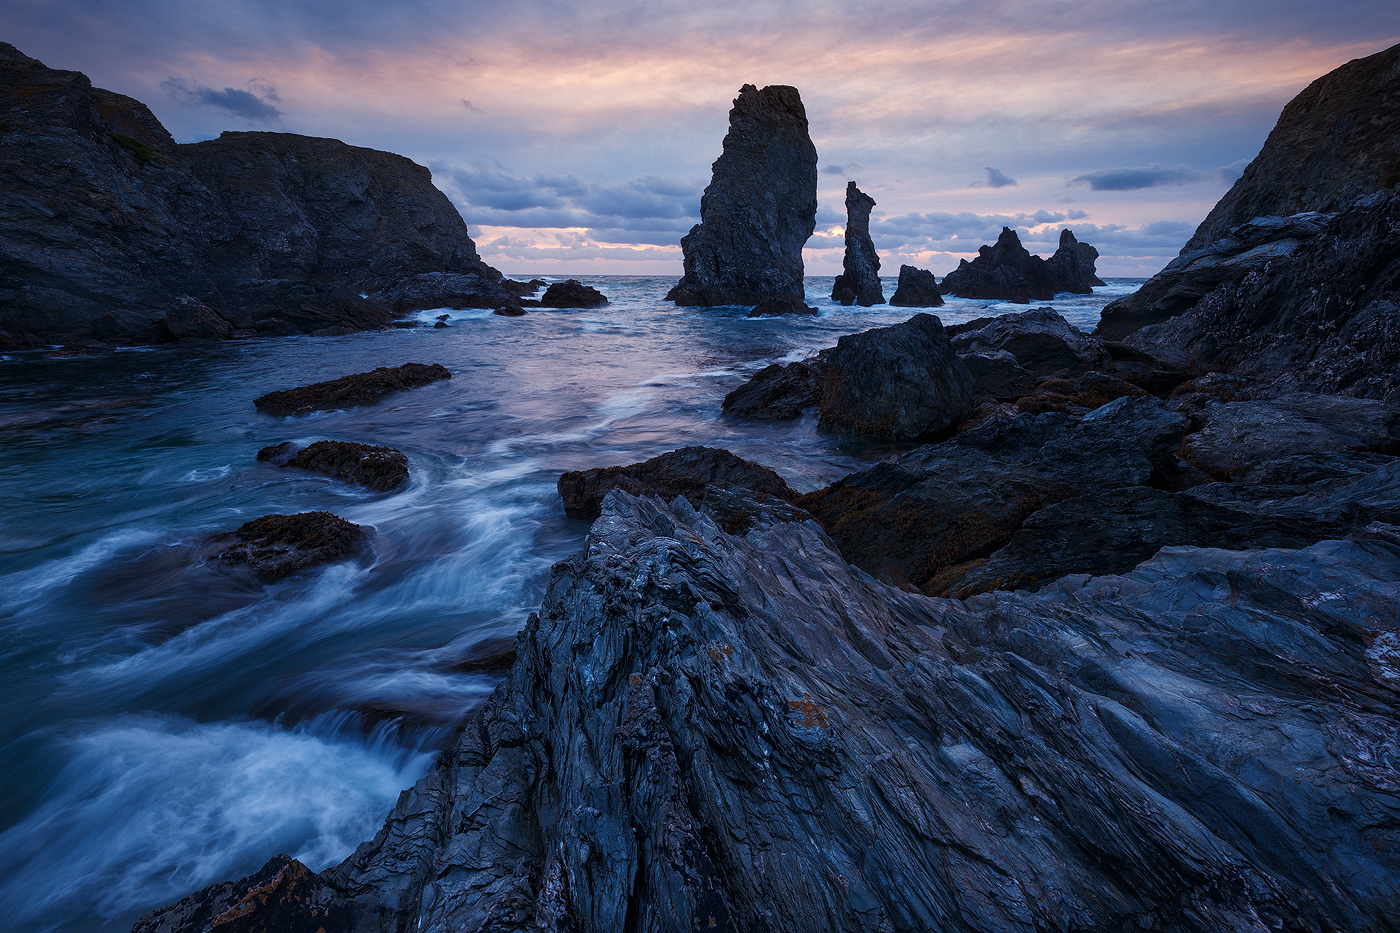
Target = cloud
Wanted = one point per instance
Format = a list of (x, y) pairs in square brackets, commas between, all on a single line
[(1231, 173), (470, 106), (1131, 179), (834, 170), (254, 105), (996, 178)]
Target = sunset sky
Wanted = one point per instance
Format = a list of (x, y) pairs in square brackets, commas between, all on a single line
[(577, 137)]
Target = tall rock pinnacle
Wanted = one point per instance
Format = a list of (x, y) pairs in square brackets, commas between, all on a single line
[(860, 281), (759, 209)]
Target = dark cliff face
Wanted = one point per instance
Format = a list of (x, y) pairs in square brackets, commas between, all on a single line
[(1336, 141), (859, 282), (107, 224), (759, 209)]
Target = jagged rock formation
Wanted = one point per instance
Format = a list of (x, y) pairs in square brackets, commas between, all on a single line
[(727, 732), (759, 209), (369, 465), (687, 472), (917, 288), (349, 391), (108, 225), (1006, 271), (859, 282)]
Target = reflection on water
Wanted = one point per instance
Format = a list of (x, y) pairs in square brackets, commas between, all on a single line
[(164, 722)]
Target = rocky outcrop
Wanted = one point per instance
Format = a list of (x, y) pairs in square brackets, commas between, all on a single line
[(777, 392), (352, 390), (917, 288), (1041, 340), (1334, 143), (369, 465), (759, 209), (713, 731), (859, 282), (277, 545), (454, 290), (1006, 271), (777, 308), (108, 227), (572, 294), (899, 383), (685, 472)]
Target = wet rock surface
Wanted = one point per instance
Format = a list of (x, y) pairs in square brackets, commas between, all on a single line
[(917, 288), (274, 546), (684, 472), (447, 290), (572, 294), (758, 210), (369, 465), (252, 226), (777, 392), (859, 281), (284, 896), (751, 735), (777, 308), (349, 391)]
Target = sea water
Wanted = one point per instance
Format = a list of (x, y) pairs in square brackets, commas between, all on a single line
[(166, 723)]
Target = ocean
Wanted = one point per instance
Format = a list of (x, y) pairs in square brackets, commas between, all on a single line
[(166, 723)]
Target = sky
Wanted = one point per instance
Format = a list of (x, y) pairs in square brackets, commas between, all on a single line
[(577, 137)]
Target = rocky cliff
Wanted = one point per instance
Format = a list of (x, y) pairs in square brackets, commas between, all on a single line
[(107, 226), (859, 281), (759, 209)]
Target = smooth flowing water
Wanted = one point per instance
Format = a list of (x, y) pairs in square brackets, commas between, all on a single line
[(166, 723)]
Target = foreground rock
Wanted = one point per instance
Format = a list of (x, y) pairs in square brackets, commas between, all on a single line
[(918, 288), (759, 209), (684, 472), (738, 732), (352, 390), (368, 465), (778, 392), (277, 545), (1006, 271), (859, 282), (572, 294), (250, 226)]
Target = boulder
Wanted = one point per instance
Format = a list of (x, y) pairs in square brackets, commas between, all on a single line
[(777, 308), (684, 472), (898, 383), (998, 374), (352, 390), (1041, 340), (284, 895), (572, 294), (521, 289), (191, 319), (368, 465), (277, 545), (758, 210), (859, 282), (918, 288), (777, 392)]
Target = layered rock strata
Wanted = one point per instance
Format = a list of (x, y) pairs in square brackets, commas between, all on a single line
[(758, 210), (917, 288), (352, 390), (110, 228), (859, 281), (713, 731)]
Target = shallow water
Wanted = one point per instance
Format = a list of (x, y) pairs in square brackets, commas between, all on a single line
[(165, 723)]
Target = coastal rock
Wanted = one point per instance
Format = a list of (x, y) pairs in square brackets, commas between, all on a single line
[(521, 289), (136, 223), (739, 732), (368, 465), (777, 392), (684, 472), (352, 390), (1078, 396), (277, 545), (283, 896), (859, 282), (897, 383), (777, 308), (454, 290), (1071, 268), (998, 374), (572, 294), (194, 320), (759, 209), (918, 288), (1041, 340), (1006, 271)]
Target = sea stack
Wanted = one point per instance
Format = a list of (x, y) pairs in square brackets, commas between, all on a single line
[(859, 283), (1008, 272), (759, 209), (918, 288), (1072, 266)]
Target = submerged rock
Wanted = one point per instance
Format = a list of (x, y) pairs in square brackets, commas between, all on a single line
[(572, 294), (277, 545), (859, 282), (368, 465), (739, 732), (759, 209), (352, 390), (918, 288), (684, 472)]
